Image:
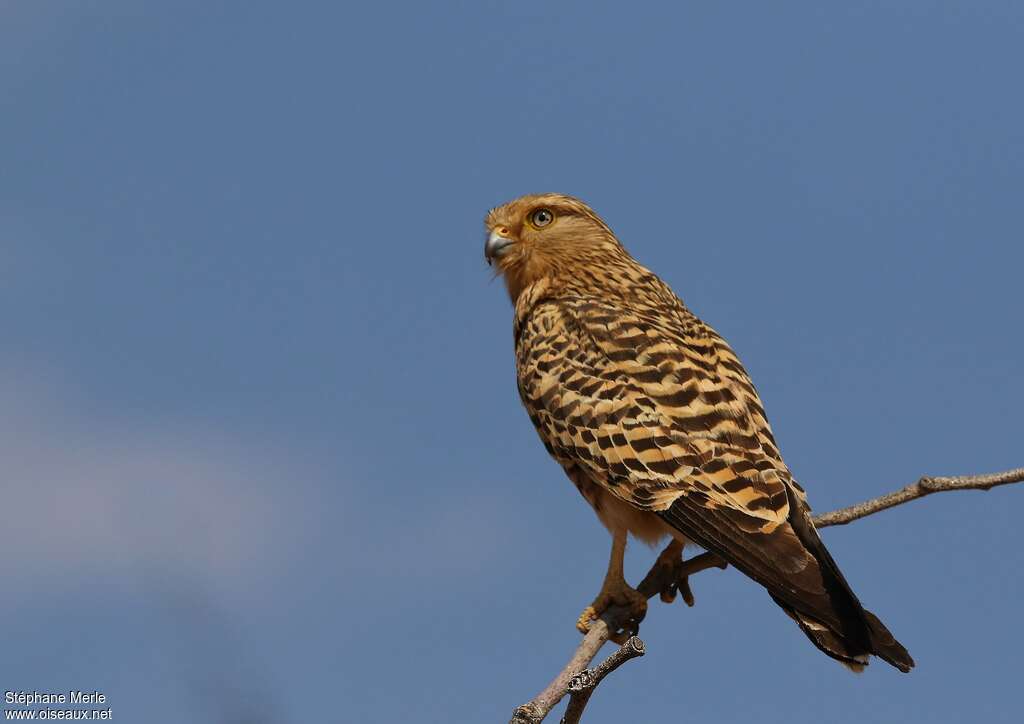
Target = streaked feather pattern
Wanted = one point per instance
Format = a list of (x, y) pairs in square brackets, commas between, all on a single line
[(644, 404)]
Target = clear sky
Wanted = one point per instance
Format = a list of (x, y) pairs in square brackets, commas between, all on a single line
[(262, 454)]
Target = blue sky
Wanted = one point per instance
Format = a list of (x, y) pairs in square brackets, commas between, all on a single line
[(264, 458)]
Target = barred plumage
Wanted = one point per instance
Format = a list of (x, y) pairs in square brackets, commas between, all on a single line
[(653, 417)]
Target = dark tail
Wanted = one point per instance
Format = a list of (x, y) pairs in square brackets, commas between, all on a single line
[(852, 645), (799, 573), (859, 633)]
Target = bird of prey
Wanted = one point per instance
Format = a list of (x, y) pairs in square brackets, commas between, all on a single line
[(653, 418)]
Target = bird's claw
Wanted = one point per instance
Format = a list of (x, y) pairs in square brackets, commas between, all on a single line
[(631, 608), (679, 585), (583, 622), (672, 576)]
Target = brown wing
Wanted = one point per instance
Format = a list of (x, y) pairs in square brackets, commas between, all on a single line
[(653, 405), (657, 408)]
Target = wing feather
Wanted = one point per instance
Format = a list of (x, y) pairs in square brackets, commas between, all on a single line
[(656, 408), (654, 423)]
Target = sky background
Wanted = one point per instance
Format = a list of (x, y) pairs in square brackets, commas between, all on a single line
[(262, 454)]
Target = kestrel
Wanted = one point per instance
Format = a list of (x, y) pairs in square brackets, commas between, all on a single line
[(653, 418)]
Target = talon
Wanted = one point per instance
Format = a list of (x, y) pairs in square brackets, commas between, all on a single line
[(583, 622), (630, 607), (620, 637), (673, 581), (631, 602), (684, 589), (668, 593)]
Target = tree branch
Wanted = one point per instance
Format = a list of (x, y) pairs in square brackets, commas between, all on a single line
[(534, 711), (924, 486), (583, 684), (658, 579)]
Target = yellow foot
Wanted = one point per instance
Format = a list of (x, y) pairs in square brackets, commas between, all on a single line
[(631, 608), (583, 622)]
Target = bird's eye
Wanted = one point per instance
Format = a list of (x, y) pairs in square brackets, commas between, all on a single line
[(541, 217)]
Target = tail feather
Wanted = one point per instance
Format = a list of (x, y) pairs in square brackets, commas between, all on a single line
[(792, 563), (828, 641), (881, 642), (885, 646), (860, 633)]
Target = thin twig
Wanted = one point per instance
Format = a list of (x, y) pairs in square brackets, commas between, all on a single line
[(924, 486), (534, 711), (583, 684), (657, 579)]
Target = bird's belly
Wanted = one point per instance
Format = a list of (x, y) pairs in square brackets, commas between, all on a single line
[(617, 514)]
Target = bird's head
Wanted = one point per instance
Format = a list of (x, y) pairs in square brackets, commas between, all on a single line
[(542, 235)]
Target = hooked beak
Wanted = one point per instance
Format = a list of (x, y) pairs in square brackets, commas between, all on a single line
[(495, 246)]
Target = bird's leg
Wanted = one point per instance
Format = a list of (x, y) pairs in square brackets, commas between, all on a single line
[(615, 592), (670, 574)]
